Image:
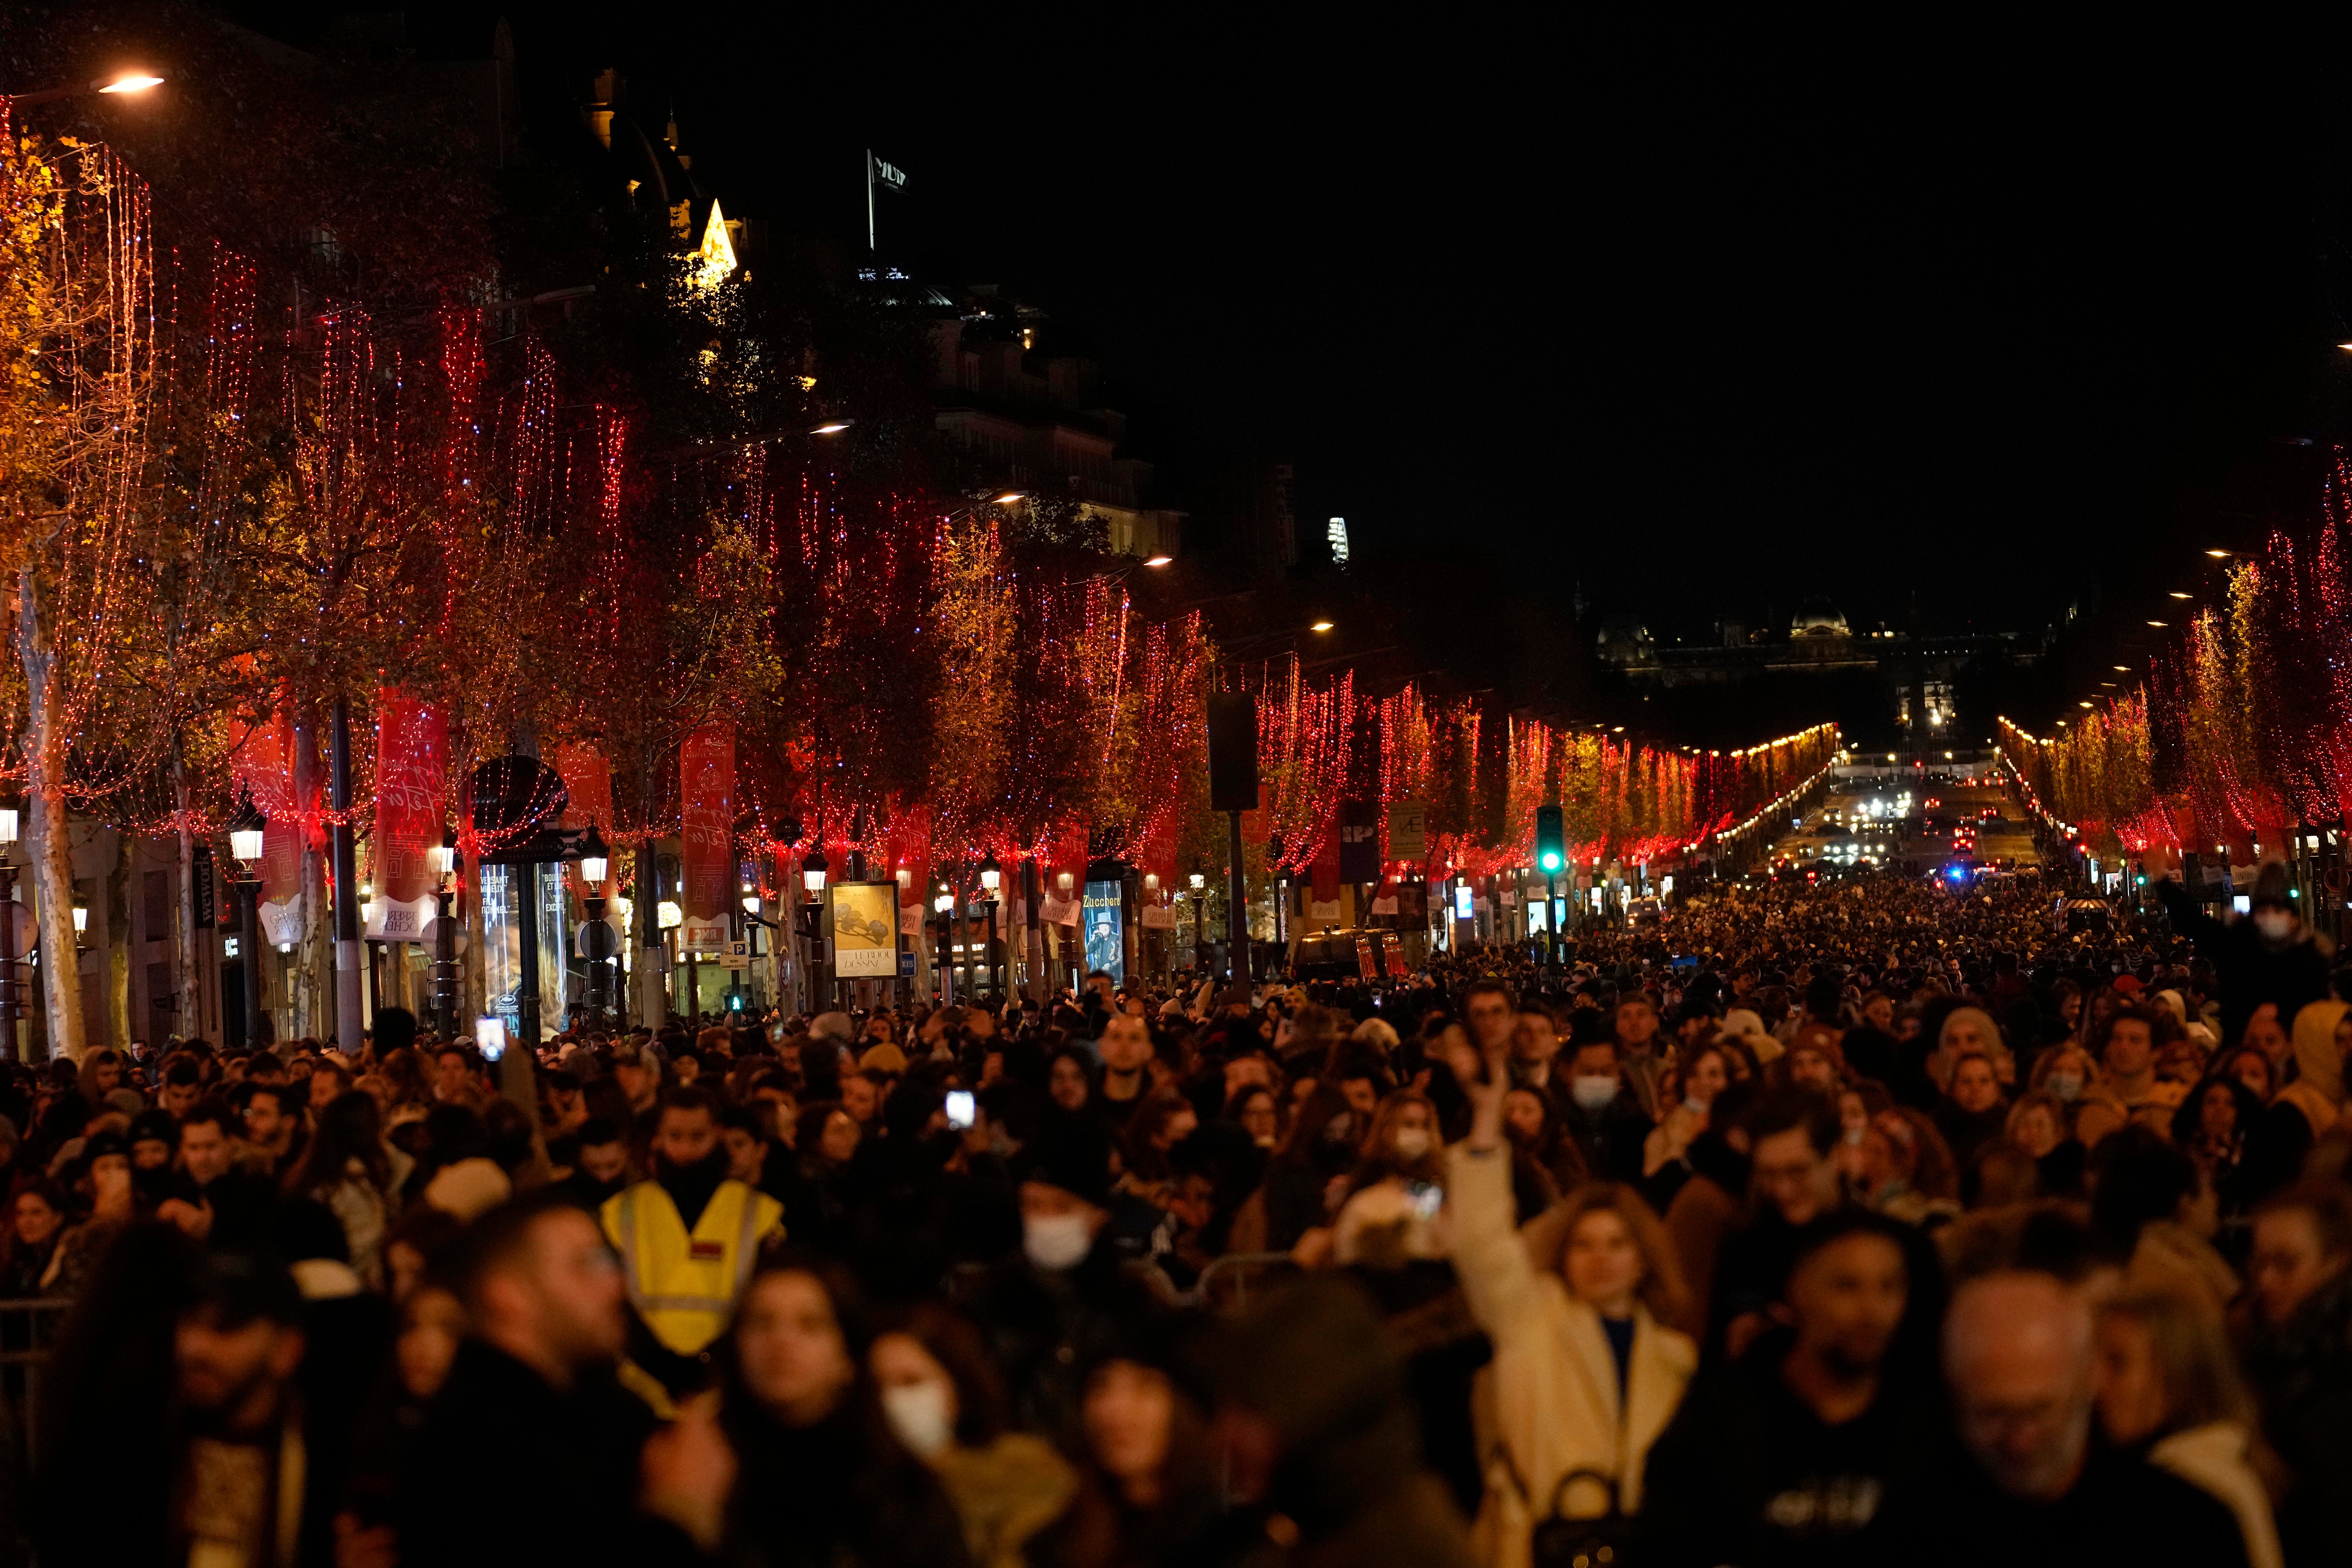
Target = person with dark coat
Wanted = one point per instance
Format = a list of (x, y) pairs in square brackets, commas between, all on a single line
[(1603, 1113), (1329, 1471), (2266, 956), (2297, 1351), (1065, 1300), (531, 1452)]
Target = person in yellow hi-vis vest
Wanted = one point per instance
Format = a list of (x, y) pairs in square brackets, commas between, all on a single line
[(688, 1236)]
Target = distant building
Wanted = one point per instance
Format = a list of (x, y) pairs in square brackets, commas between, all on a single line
[(1035, 418)]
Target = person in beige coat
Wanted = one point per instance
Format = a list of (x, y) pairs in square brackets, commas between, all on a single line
[(1585, 1374), (2168, 1384)]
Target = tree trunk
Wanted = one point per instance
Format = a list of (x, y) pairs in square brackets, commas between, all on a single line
[(313, 1001), (53, 860), (189, 1022)]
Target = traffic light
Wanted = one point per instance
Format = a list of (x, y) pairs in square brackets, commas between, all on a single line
[(1552, 841)]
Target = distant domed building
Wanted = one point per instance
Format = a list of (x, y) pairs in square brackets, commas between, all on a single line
[(1818, 618), (1623, 641)]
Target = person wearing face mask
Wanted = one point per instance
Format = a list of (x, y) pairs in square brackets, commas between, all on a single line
[(1050, 1308), (1602, 1115), (2267, 956), (946, 1404), (794, 1462), (685, 1236)]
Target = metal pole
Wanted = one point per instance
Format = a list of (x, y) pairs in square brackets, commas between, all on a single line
[(7, 959), (1236, 911), (350, 964), (444, 967), (1033, 948), (249, 946), (648, 914), (522, 885)]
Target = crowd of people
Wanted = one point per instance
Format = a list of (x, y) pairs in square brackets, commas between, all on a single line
[(1875, 1221)]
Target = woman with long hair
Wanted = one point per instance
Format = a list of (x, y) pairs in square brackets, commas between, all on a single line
[(346, 1168), (1586, 1374), (792, 1464)]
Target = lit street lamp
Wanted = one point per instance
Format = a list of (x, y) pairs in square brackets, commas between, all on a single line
[(121, 83), (245, 836)]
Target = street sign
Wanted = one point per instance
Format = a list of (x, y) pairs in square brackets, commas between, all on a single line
[(737, 956), (1408, 831), (906, 966)]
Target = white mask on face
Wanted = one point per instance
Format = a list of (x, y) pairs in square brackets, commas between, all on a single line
[(2064, 1085), (1055, 1241), (1409, 1142), (2275, 924), (917, 1413), (1592, 1091)]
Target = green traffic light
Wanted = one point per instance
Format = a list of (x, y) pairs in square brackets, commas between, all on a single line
[(1550, 862)]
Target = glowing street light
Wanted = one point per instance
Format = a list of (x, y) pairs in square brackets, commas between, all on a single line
[(1320, 627), (1157, 559), (121, 84), (813, 871)]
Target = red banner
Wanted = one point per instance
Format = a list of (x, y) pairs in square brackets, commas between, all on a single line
[(1326, 871), (707, 785), (412, 769), (281, 879), (588, 780)]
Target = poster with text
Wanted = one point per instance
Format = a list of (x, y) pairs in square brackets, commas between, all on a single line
[(1104, 920), (412, 767), (864, 917)]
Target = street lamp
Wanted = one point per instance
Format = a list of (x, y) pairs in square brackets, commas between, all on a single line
[(595, 858), (991, 874), (117, 85), (813, 871), (247, 835)]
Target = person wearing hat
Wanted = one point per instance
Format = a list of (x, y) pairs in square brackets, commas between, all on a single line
[(2268, 955), (1051, 1310), (687, 1238)]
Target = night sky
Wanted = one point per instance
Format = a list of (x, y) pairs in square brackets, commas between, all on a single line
[(1705, 328)]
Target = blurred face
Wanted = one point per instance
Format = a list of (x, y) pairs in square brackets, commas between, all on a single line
[(1637, 1022), (107, 1076), (2216, 1113), (1534, 1040), (2266, 1034), (900, 1361), (324, 1087), (263, 1122), (2023, 1391), (1257, 1117), (790, 1347), (431, 1325), (1878, 1012), (572, 1285), (2289, 1263), (2130, 1050), (109, 1178), (745, 1154), (1247, 1069), (1130, 1416), (1604, 1266), (638, 1083), (36, 1222), (1126, 1044), (2252, 1070), (860, 1097), (604, 1162), (449, 1073), (1706, 1079), (2130, 1386), (1066, 1082), (2036, 1131), (1523, 1114), (838, 1142), (1963, 1035), (1847, 1300), (1810, 1068), (232, 1374), (1974, 1086), (179, 1099), (203, 1151), (1791, 1176), (1363, 1095), (150, 1154), (684, 1138), (1490, 1018)]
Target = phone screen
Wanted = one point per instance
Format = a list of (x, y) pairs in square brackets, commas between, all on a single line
[(960, 1108), (490, 1035)]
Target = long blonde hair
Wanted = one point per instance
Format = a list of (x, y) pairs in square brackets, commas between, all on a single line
[(1662, 1288)]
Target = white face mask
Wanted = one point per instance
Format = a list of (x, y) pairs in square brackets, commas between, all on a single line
[(2064, 1085), (1409, 1142), (917, 1413), (1592, 1093), (1055, 1241), (2276, 925), (1695, 1107)]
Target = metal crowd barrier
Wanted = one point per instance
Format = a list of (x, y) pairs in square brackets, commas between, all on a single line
[(1225, 1284), (27, 1332)]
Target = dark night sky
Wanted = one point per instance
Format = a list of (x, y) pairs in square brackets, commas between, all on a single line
[(1705, 326)]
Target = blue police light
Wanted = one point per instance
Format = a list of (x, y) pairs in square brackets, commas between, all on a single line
[(1958, 874)]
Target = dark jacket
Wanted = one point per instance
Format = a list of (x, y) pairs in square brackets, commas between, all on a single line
[(508, 1469), (2302, 1376), (2251, 971), (1047, 1327), (2121, 1508), (1611, 1138)]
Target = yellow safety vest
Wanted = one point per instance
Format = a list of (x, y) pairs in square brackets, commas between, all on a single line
[(684, 1284)]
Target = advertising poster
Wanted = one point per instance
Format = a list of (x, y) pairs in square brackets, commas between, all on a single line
[(1368, 962), (706, 765), (864, 917), (1104, 920)]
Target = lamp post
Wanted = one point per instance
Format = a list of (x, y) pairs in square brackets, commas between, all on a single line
[(121, 84), (245, 836), (9, 999), (946, 983), (991, 877), (1200, 881), (443, 857), (597, 939), (813, 870)]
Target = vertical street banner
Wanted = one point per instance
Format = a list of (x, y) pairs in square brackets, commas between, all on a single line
[(1359, 841), (588, 781), (1368, 963), (1106, 929), (707, 786), (412, 765), (1325, 903), (863, 918), (281, 882)]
